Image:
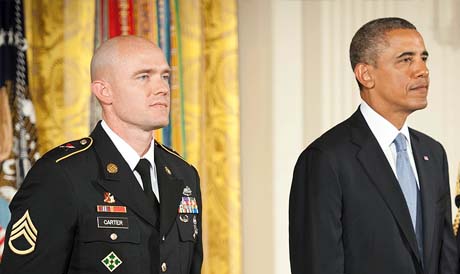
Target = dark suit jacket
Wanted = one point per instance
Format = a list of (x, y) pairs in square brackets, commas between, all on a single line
[(347, 213), (61, 194)]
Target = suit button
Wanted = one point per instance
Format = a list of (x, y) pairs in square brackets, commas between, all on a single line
[(113, 236), (164, 267)]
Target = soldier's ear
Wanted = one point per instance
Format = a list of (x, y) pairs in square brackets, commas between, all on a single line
[(102, 91), (363, 73)]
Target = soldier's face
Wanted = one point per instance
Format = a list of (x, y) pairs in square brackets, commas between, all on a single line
[(140, 87)]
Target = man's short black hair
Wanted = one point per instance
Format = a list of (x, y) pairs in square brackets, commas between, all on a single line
[(368, 40)]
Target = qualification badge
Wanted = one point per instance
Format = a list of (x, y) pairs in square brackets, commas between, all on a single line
[(187, 191)]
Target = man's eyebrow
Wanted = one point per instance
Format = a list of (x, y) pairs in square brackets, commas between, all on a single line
[(143, 71), (411, 53), (406, 53), (151, 70)]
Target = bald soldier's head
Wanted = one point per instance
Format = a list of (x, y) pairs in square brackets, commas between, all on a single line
[(130, 79), (112, 52)]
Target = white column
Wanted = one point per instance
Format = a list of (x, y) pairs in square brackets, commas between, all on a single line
[(287, 116)]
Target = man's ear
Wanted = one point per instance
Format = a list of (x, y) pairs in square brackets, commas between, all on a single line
[(363, 73), (102, 91)]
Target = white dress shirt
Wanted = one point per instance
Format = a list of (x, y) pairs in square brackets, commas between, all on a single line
[(132, 158), (385, 133)]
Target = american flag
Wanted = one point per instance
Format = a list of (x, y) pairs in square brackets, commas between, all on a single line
[(2, 241)]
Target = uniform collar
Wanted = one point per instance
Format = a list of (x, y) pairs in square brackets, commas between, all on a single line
[(127, 152)]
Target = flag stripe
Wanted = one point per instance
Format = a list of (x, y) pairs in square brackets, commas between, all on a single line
[(2, 241), (180, 77)]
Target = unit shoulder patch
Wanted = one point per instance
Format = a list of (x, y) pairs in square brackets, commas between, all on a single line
[(170, 151), (74, 147)]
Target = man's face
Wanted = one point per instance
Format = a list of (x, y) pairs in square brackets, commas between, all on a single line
[(140, 86), (400, 74)]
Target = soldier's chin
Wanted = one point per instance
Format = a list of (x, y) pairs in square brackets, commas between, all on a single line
[(161, 124)]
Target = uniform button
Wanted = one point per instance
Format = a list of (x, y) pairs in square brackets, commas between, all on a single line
[(113, 236), (164, 267), (163, 238)]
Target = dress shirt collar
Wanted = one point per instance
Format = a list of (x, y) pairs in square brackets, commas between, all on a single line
[(384, 131), (128, 153)]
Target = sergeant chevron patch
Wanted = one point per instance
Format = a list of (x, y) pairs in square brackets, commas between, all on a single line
[(23, 228)]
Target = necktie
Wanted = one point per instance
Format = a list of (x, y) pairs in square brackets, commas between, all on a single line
[(409, 188), (143, 167)]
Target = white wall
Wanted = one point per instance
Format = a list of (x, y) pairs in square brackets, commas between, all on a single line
[(296, 82)]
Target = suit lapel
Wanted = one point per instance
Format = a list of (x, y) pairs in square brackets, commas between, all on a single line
[(122, 183), (171, 189), (426, 179), (376, 166)]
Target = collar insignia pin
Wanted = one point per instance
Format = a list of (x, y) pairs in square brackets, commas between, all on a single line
[(112, 168)]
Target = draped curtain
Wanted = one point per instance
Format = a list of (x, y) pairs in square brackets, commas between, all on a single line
[(199, 38)]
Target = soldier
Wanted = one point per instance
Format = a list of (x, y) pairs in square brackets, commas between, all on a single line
[(117, 201)]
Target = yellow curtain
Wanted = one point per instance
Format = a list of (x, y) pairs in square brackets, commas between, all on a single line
[(60, 36), (210, 74)]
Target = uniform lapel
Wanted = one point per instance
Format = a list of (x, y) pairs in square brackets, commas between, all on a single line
[(171, 189), (426, 180), (122, 183), (375, 164)]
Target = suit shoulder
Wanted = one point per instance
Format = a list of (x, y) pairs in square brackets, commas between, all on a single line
[(333, 138), (425, 139), (69, 149), (422, 136), (170, 151)]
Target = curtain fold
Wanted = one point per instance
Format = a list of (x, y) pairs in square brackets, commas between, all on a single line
[(210, 80), (60, 35)]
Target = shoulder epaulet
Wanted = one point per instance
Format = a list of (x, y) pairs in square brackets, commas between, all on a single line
[(170, 151), (74, 147)]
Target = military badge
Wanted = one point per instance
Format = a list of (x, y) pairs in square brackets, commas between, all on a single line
[(183, 218), (188, 205), (195, 227), (111, 261), (26, 229), (187, 191), (108, 198), (112, 168), (67, 146)]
